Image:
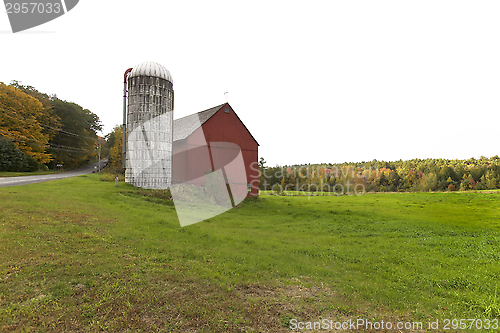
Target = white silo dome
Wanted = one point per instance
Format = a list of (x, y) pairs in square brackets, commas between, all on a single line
[(151, 68)]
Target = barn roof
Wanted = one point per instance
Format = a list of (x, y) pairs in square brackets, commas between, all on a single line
[(185, 126)]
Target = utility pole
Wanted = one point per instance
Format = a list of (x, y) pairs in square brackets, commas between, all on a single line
[(99, 155), (124, 129)]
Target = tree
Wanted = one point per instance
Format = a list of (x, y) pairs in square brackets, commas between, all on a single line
[(411, 178), (47, 118), (18, 122), (394, 180), (115, 162), (382, 180), (110, 141), (13, 159), (490, 181), (46, 128), (428, 182), (283, 182), (467, 183), (262, 164), (263, 183), (74, 143)]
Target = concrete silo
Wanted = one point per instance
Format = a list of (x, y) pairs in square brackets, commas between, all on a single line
[(148, 158)]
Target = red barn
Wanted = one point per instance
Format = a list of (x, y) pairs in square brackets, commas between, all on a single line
[(215, 126)]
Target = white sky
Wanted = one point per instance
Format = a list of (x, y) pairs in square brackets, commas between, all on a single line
[(314, 82)]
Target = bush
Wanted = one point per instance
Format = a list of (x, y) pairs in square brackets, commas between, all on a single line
[(13, 159), (30, 164), (110, 177), (277, 189)]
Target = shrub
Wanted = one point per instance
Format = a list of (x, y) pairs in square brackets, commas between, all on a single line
[(13, 159), (110, 177)]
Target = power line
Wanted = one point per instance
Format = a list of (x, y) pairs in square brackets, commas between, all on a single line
[(47, 126), (45, 143), (34, 144), (51, 145)]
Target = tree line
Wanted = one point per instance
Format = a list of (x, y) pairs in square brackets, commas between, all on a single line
[(420, 175), (40, 131)]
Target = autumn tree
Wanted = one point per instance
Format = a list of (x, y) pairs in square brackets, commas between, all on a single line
[(19, 115), (49, 130), (491, 179), (115, 159), (410, 175), (48, 119)]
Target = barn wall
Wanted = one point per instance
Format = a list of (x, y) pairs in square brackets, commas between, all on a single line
[(198, 157), (179, 162), (227, 127)]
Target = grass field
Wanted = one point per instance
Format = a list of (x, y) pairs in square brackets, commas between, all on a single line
[(81, 255), (18, 174)]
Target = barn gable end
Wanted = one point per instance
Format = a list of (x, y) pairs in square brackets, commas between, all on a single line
[(218, 124)]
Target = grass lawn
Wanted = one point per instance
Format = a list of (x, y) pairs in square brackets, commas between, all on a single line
[(81, 255), (18, 174)]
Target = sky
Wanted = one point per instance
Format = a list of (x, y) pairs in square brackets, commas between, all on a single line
[(314, 82)]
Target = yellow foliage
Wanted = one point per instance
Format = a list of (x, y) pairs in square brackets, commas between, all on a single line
[(18, 114), (115, 152)]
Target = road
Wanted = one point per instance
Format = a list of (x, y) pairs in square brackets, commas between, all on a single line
[(23, 180)]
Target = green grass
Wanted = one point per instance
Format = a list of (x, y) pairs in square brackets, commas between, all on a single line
[(81, 254), (18, 174)]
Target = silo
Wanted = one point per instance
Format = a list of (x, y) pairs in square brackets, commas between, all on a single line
[(148, 158)]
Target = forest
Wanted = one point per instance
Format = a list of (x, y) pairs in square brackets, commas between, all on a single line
[(417, 175), (39, 132)]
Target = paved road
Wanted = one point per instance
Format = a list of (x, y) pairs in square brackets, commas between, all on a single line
[(14, 181)]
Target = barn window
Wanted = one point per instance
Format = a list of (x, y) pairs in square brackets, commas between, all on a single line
[(226, 110)]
